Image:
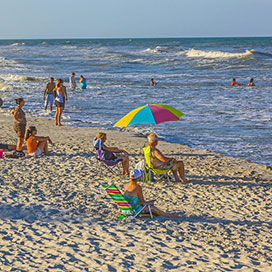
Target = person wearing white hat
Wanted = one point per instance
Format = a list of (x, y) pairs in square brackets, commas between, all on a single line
[(134, 194)]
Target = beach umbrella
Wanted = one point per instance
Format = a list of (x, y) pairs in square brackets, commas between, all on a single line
[(150, 114)]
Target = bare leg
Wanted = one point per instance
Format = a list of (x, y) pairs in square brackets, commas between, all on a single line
[(179, 169), (125, 164), (41, 145), (51, 108), (20, 142), (56, 115), (45, 107), (11, 147), (161, 213), (59, 116)]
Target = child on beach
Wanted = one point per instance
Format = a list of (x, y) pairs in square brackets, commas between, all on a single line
[(134, 194), (36, 145)]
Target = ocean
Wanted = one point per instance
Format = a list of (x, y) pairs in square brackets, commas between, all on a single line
[(193, 75)]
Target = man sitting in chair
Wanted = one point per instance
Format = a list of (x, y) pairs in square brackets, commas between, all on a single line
[(161, 162), (110, 152)]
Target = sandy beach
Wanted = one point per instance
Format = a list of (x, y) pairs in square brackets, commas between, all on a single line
[(53, 218)]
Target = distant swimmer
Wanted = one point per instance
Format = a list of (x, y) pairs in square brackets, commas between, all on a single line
[(72, 81), (49, 89), (233, 83), (251, 82), (152, 82), (83, 83)]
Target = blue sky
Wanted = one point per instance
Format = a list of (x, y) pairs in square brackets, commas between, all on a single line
[(134, 18)]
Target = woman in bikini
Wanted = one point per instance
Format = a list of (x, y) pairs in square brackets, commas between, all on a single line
[(59, 101)]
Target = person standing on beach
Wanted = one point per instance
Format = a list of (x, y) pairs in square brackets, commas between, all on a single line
[(59, 101), (19, 126), (83, 83), (49, 89), (72, 81), (65, 93)]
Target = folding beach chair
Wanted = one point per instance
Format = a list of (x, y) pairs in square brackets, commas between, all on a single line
[(150, 171), (125, 208), (108, 165)]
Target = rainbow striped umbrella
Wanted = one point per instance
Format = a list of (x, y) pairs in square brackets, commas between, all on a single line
[(150, 114)]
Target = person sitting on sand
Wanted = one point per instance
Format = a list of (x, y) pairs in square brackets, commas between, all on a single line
[(36, 145), (251, 82), (7, 147), (162, 162), (233, 83), (134, 194), (125, 159)]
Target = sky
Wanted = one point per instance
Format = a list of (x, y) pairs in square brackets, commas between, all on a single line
[(34, 19)]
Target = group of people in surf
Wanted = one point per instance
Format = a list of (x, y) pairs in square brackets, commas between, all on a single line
[(234, 83)]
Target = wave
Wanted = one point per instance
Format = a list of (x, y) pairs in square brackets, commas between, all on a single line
[(194, 53), (16, 44), (21, 78), (157, 49)]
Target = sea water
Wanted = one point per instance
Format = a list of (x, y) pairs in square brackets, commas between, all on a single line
[(193, 75)]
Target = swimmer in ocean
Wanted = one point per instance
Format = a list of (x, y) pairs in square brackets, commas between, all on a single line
[(251, 82), (152, 82), (233, 83)]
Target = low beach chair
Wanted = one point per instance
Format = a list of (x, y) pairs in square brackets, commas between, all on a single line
[(150, 171), (125, 208), (108, 165)]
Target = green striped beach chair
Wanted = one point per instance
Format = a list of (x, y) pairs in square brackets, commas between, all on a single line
[(125, 208)]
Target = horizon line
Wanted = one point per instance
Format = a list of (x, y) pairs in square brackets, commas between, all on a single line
[(139, 38)]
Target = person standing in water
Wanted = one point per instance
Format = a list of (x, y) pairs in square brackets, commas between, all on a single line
[(251, 82), (152, 83), (19, 126), (48, 91), (72, 81), (83, 83), (59, 101)]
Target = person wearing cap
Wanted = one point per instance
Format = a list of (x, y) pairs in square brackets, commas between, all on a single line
[(134, 194)]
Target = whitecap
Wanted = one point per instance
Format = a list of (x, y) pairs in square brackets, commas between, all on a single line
[(194, 53)]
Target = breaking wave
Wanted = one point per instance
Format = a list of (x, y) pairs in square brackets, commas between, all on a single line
[(21, 78), (194, 53)]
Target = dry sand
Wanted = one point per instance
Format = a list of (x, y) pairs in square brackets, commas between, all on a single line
[(52, 217)]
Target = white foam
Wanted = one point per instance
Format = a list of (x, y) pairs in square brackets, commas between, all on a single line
[(194, 53), (157, 49), (21, 78)]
